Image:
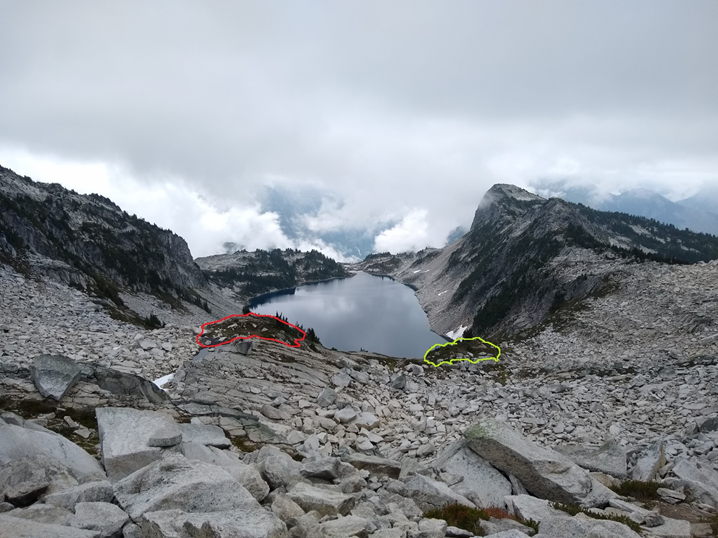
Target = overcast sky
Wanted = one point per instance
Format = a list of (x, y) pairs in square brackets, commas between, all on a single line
[(395, 116)]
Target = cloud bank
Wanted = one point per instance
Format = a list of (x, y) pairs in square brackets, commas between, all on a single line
[(373, 110)]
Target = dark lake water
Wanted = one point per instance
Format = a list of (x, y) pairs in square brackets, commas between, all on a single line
[(364, 311)]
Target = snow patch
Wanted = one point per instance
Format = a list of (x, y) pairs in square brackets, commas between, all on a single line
[(458, 333), (441, 293), (162, 381)]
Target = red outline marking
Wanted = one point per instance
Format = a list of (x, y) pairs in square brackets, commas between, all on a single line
[(296, 340)]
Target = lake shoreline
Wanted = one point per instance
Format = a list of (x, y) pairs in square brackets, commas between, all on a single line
[(255, 301), (352, 314)]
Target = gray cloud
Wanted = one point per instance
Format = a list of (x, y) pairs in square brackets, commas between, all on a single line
[(403, 113)]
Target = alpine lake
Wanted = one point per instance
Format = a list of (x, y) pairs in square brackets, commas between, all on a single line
[(363, 311)]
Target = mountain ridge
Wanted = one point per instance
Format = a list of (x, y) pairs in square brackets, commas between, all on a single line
[(88, 242), (249, 274), (132, 267), (697, 213), (525, 256)]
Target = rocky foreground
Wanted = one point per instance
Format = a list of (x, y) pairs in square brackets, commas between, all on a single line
[(312, 442)]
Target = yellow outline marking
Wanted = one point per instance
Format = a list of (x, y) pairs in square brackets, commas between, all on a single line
[(496, 358)]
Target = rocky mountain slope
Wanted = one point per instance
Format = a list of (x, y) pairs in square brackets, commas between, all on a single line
[(526, 257), (136, 270), (88, 242), (313, 442)]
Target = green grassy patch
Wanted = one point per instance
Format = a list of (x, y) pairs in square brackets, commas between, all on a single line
[(31, 409), (458, 515), (472, 349), (477, 431), (389, 362), (639, 490), (244, 444), (260, 326), (464, 517), (128, 316), (573, 509)]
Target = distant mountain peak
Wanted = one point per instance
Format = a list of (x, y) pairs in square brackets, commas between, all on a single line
[(505, 190), (525, 257), (501, 200)]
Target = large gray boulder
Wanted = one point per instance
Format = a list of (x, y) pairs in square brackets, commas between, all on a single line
[(21, 484), (543, 472), (374, 464), (432, 528), (489, 485), (17, 443), (326, 468), (341, 380), (346, 526), (205, 434), (131, 530), (326, 500), (345, 415), (572, 527), (306, 526), (610, 458), (274, 413), (44, 513), (100, 516), (277, 467), (527, 507), (286, 509), (209, 454), (237, 523), (649, 461), (124, 436), (15, 527), (366, 420), (165, 438), (429, 494), (177, 483), (248, 475), (251, 478), (701, 481), (54, 375), (278, 471), (23, 480), (126, 384), (100, 491), (326, 397)]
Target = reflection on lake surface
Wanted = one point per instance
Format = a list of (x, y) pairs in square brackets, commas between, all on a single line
[(364, 311)]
